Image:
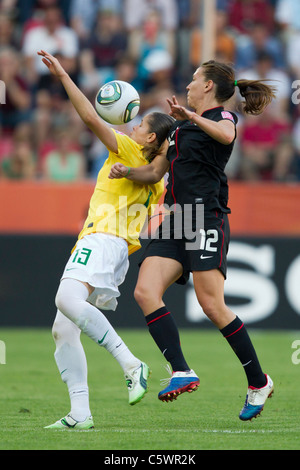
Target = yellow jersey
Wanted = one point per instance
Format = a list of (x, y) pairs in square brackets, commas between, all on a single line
[(120, 206)]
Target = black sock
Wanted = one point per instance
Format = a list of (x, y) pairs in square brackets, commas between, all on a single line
[(238, 338), (163, 330)]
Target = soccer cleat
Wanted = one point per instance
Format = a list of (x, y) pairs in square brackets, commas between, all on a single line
[(255, 400), (136, 382), (179, 383), (69, 423)]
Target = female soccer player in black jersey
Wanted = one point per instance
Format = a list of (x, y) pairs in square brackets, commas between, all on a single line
[(200, 145)]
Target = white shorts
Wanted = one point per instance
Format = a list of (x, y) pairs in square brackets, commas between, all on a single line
[(101, 260)]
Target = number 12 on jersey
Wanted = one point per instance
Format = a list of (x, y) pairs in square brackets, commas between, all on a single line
[(207, 239)]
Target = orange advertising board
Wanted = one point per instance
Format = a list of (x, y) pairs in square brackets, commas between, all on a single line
[(48, 208)]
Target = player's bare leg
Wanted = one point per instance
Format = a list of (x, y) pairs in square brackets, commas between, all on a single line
[(156, 275)]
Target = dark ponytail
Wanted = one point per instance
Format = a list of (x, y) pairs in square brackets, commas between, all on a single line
[(257, 94), (160, 123)]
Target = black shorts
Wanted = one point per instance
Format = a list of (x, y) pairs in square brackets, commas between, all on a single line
[(205, 252)]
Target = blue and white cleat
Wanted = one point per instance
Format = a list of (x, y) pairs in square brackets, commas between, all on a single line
[(178, 383), (256, 399)]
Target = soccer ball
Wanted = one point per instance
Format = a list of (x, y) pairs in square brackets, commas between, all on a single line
[(117, 102)]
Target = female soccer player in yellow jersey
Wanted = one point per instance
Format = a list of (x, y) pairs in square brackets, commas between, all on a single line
[(99, 261)]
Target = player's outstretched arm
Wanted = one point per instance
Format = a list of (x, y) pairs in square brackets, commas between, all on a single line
[(80, 102), (222, 131), (148, 174)]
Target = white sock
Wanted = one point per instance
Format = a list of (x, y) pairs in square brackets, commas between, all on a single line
[(71, 300), (71, 362), (80, 409), (124, 356)]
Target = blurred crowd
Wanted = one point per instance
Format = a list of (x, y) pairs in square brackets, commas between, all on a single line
[(156, 45)]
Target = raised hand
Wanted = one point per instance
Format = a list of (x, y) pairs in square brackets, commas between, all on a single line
[(178, 112), (53, 64)]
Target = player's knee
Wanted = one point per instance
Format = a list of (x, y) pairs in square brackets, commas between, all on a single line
[(60, 302), (139, 294), (65, 300), (211, 309), (144, 296)]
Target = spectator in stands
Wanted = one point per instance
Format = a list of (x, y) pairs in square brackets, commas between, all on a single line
[(18, 99), (293, 54), (83, 14), (29, 11), (266, 149), (106, 44), (147, 45), (189, 16), (8, 6), (51, 114), (126, 70), (158, 71), (20, 163), (225, 42), (89, 78), (98, 154), (243, 14), (258, 40), (189, 13), (43, 122), (287, 15), (8, 32), (56, 37), (136, 11), (156, 100), (66, 162), (223, 5)]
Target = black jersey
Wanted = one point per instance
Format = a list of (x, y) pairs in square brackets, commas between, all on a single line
[(197, 164)]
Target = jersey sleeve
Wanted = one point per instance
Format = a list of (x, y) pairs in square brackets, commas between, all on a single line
[(228, 116), (127, 148)]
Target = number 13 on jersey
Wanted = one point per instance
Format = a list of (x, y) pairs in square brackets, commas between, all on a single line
[(82, 256)]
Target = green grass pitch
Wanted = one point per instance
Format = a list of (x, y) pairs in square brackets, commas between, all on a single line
[(33, 396)]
